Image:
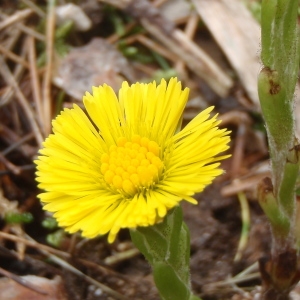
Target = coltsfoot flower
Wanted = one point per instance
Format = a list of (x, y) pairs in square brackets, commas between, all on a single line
[(125, 163)]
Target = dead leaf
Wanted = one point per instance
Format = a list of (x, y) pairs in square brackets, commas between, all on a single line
[(92, 65), (53, 289), (238, 34), (175, 10)]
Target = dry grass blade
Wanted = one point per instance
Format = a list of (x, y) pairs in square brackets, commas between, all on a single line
[(17, 144), (235, 280), (239, 39), (47, 115), (36, 89), (200, 63), (31, 32), (33, 244), (25, 29), (35, 8), (177, 42), (18, 70), (156, 47), (16, 17), (48, 250), (10, 166), (13, 57), (189, 31), (13, 35), (119, 257), (249, 273), (115, 37), (89, 279), (10, 80), (243, 184)]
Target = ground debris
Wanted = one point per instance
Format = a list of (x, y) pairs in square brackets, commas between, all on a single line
[(92, 65), (33, 288), (132, 40)]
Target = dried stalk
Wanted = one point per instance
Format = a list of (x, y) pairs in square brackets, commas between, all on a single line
[(14, 57), (36, 89), (177, 42), (47, 111), (16, 17), (10, 80)]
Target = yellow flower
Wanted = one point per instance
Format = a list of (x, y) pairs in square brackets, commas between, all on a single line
[(126, 163)]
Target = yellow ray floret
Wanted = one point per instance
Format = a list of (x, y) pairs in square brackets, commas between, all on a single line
[(123, 164)]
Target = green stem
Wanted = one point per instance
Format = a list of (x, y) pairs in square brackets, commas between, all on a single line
[(166, 246), (276, 86)]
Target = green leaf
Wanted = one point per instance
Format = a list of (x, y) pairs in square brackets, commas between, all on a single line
[(49, 223), (56, 238), (18, 218), (166, 246)]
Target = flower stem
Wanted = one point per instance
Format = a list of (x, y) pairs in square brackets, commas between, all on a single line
[(166, 246), (276, 86)]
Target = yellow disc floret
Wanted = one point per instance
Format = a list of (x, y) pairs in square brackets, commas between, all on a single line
[(132, 165)]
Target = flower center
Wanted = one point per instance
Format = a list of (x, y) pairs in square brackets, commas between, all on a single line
[(132, 165)]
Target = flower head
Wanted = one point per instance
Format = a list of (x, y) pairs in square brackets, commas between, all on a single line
[(125, 163)]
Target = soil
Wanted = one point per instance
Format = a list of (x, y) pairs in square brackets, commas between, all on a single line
[(215, 226)]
